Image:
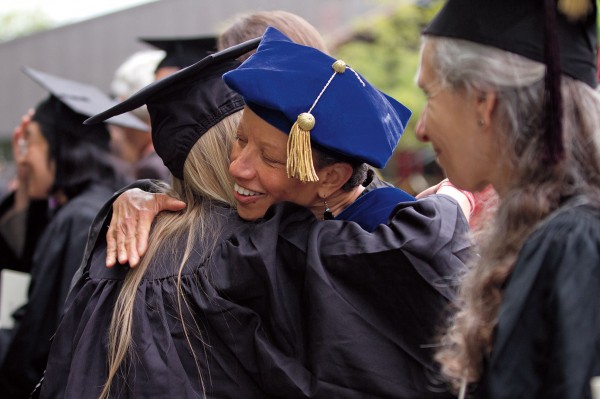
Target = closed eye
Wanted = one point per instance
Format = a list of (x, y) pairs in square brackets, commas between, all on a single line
[(272, 161)]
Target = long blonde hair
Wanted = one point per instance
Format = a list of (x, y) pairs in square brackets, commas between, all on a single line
[(534, 191), (206, 184)]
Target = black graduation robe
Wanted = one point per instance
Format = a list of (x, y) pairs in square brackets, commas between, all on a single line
[(352, 314), (547, 342), (36, 220), (57, 256), (288, 307)]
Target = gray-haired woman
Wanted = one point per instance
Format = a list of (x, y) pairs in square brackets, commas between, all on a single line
[(528, 320)]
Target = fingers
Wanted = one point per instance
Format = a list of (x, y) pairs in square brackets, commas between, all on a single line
[(116, 236), (143, 233), (120, 237), (133, 214), (166, 203), (465, 199), (19, 144), (111, 245), (429, 191), (124, 223), (126, 241)]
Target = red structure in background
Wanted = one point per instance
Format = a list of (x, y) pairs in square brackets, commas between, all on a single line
[(408, 163)]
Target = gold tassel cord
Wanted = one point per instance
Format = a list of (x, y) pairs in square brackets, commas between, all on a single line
[(299, 152), (575, 9)]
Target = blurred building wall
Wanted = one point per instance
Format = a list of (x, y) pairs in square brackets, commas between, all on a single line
[(90, 51)]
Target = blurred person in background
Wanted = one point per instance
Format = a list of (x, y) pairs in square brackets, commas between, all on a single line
[(135, 146), (180, 52), (68, 167)]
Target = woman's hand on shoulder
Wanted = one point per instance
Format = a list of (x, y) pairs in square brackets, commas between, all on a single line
[(132, 217), (465, 199)]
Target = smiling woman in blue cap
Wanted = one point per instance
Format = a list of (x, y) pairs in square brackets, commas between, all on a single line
[(512, 101), (334, 124)]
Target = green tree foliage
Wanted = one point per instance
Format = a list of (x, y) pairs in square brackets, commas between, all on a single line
[(386, 51), (19, 23)]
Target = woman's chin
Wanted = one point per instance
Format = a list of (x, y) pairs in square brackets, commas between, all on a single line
[(250, 214)]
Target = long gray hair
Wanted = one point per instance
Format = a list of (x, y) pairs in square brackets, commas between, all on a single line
[(534, 188)]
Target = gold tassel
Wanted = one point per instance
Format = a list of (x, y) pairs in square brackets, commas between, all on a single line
[(299, 153), (575, 9)]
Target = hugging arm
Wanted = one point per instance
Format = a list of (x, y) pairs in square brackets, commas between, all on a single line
[(133, 212)]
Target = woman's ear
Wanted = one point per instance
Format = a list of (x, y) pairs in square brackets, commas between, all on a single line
[(486, 104), (333, 177)]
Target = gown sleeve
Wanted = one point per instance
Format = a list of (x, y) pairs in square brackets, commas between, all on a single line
[(356, 312), (56, 258), (29, 226)]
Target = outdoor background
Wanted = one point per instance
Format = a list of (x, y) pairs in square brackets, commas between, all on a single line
[(378, 38)]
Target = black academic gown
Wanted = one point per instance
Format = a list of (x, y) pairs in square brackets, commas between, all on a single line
[(36, 220), (345, 313), (547, 342), (289, 307), (57, 256)]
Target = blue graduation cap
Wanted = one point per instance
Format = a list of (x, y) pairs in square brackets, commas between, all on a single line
[(318, 100)]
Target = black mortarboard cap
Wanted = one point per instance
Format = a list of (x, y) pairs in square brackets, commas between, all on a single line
[(183, 106), (518, 26), (183, 51), (62, 113), (83, 99), (562, 35)]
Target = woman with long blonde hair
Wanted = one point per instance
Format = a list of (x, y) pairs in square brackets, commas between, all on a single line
[(195, 147)]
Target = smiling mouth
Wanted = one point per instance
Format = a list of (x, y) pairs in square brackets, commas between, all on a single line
[(244, 191)]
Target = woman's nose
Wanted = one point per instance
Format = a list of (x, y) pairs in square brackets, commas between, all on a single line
[(420, 130), (241, 166)]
